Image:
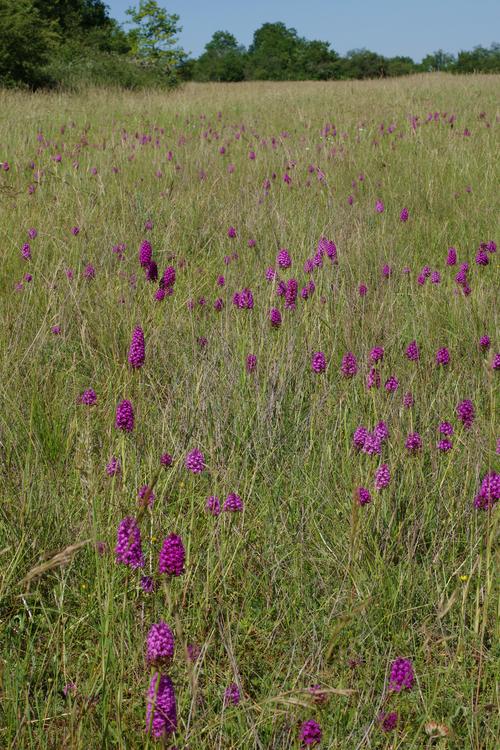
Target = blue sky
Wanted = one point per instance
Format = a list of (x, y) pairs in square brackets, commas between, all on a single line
[(391, 27)]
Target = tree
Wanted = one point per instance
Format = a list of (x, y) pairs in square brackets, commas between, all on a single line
[(437, 61), (73, 15), (83, 24), (361, 63), (27, 41), (273, 53), (315, 60), (400, 66), (479, 60), (154, 37), (223, 59)]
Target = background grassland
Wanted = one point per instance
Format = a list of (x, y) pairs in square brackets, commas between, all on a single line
[(303, 587)]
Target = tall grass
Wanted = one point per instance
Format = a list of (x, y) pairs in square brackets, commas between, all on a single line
[(304, 587)]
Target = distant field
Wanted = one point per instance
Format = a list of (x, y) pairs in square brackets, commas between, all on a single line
[(344, 549)]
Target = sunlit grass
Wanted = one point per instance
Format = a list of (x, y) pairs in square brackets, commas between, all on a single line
[(304, 587)]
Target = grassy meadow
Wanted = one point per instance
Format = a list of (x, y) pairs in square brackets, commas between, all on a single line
[(304, 586)]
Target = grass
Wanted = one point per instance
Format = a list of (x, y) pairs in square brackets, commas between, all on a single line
[(305, 586)]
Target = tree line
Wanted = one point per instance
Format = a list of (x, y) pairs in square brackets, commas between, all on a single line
[(278, 53), (73, 43)]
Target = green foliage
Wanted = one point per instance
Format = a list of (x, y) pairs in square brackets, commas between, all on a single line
[(74, 43), (76, 67), (72, 16), (153, 37), (27, 41), (480, 59), (110, 38), (272, 56), (278, 53), (223, 60), (316, 61), (438, 61), (362, 63), (399, 66)]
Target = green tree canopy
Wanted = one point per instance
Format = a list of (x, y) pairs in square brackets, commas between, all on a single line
[(75, 42), (72, 15), (278, 53), (316, 61), (480, 59), (27, 40), (223, 59), (273, 52), (362, 63), (154, 36), (439, 60)]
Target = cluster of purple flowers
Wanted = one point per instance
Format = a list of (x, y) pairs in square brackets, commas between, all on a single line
[(363, 496), (88, 397), (377, 354), (232, 695), (283, 258), (128, 550), (113, 466), (327, 247), (462, 280), (232, 504), (382, 477), (373, 378), (413, 442), (318, 362), (275, 317), (172, 556), (167, 281), (349, 366), (291, 292), (160, 644), (213, 505), (489, 492), (388, 721), (145, 253), (445, 444), (408, 400), (251, 362), (310, 733), (243, 299), (451, 260), (161, 707), (195, 461), (146, 494), (442, 356), (124, 419), (485, 343), (402, 676), (466, 413), (412, 351), (370, 442), (89, 271), (391, 384), (136, 352)]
